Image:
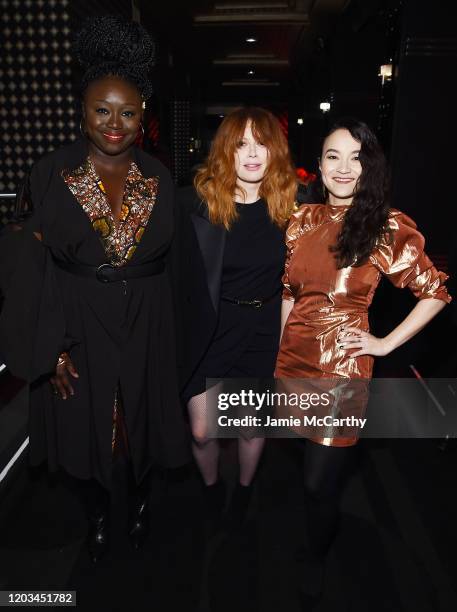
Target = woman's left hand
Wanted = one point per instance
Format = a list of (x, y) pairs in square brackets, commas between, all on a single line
[(354, 338)]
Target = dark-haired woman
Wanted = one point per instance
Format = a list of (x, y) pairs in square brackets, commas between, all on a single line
[(233, 244), (87, 317), (337, 252)]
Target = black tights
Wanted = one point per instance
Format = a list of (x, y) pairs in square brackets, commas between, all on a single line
[(326, 471)]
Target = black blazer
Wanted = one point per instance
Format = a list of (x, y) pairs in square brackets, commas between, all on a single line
[(199, 270), (199, 262)]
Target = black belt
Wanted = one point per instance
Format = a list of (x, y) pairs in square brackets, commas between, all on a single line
[(253, 303), (107, 273)]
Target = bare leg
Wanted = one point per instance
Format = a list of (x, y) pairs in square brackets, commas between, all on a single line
[(204, 449), (249, 452)]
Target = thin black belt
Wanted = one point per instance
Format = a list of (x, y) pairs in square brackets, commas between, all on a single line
[(253, 303), (107, 273)]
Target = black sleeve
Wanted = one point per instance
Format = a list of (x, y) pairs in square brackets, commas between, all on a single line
[(452, 283), (23, 207), (32, 326), (180, 275)]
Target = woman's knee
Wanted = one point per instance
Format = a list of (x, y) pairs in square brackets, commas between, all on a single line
[(200, 436)]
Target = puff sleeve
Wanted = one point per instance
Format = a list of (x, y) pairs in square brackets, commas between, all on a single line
[(293, 232), (404, 262)]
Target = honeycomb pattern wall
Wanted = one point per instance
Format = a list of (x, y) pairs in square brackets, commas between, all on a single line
[(180, 140), (38, 109)]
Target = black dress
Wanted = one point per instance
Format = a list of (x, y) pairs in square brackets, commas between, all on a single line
[(120, 335), (245, 340)]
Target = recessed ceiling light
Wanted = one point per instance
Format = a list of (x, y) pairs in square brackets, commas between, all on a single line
[(251, 39), (251, 72), (300, 121)]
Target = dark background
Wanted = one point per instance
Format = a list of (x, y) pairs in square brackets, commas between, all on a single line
[(306, 52), (397, 541)]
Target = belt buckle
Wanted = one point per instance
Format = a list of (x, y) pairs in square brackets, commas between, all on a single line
[(257, 303), (100, 271)]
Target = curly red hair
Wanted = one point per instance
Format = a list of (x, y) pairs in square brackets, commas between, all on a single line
[(215, 181)]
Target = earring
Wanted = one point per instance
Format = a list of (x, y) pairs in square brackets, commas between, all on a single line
[(142, 130), (83, 133)]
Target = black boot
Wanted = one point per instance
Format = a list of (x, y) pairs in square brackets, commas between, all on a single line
[(238, 508), (321, 523), (310, 570), (139, 511), (97, 505), (214, 502), (138, 528), (98, 536)]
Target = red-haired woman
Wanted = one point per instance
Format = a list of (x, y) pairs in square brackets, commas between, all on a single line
[(233, 244)]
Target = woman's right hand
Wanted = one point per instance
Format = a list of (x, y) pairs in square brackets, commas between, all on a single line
[(61, 382)]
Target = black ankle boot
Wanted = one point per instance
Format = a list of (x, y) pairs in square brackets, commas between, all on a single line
[(214, 502), (97, 502), (138, 527), (238, 507), (310, 578), (98, 536), (214, 498)]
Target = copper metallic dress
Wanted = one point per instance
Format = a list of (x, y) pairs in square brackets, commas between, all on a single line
[(327, 298)]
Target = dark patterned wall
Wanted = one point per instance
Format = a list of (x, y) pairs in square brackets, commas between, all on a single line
[(36, 102), (180, 132), (38, 109)]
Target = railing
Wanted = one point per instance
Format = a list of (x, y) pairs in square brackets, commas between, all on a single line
[(16, 441), (4, 469), (5, 217)]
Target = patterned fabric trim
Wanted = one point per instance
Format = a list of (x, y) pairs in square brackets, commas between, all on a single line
[(139, 199)]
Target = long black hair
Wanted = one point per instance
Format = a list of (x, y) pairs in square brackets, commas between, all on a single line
[(366, 220), (111, 46)]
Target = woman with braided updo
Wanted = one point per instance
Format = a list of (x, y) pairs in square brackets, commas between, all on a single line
[(88, 312)]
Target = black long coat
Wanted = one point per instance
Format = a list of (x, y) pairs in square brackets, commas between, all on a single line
[(114, 334)]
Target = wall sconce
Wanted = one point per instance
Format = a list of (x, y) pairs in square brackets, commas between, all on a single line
[(385, 72), (325, 106)]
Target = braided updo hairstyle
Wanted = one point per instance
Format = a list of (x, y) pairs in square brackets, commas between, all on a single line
[(111, 46)]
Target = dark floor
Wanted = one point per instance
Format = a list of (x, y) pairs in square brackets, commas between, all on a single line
[(394, 552)]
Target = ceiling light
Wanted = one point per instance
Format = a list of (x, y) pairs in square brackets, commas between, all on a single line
[(300, 121), (251, 39), (385, 72), (251, 72), (324, 106)]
